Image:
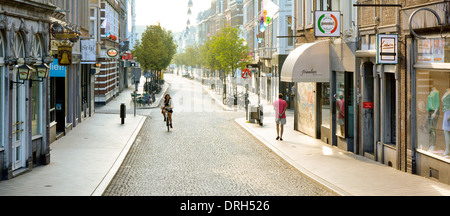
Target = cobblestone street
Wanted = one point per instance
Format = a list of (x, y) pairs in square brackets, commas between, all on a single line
[(206, 154)]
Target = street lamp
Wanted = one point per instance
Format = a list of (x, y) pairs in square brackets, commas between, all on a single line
[(42, 72), (24, 72)]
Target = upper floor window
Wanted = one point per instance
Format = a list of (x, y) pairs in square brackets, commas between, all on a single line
[(299, 14), (19, 46), (309, 13)]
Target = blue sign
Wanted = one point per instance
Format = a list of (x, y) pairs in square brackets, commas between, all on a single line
[(57, 70)]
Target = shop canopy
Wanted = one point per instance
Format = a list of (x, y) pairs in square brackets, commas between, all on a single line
[(308, 63)]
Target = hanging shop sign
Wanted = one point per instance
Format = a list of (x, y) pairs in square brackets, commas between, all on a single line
[(64, 32), (327, 23), (65, 53), (112, 52), (88, 51), (127, 56), (387, 49)]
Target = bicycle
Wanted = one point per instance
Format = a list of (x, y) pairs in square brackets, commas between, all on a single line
[(241, 100), (228, 102), (166, 116)]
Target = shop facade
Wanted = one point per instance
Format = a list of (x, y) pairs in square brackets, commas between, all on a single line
[(107, 81), (24, 38), (429, 75), (322, 73), (378, 105), (319, 73)]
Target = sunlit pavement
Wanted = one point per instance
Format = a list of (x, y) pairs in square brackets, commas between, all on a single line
[(343, 172), (205, 154)]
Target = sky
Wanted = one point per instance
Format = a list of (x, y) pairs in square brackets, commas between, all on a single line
[(172, 14)]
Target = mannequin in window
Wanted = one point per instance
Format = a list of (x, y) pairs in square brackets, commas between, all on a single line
[(340, 106), (446, 121), (433, 105)]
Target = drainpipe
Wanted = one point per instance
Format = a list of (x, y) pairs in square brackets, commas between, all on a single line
[(413, 106)]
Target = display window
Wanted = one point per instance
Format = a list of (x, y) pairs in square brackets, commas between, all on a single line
[(344, 104), (37, 94), (433, 50), (340, 104), (326, 121), (433, 111)]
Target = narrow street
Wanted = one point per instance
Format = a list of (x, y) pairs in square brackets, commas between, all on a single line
[(206, 154)]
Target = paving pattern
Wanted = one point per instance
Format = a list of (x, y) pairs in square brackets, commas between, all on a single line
[(206, 154)]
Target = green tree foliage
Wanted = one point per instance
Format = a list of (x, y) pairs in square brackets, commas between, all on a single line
[(225, 51), (156, 48), (229, 50)]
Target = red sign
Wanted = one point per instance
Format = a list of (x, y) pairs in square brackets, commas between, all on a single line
[(246, 73), (368, 105), (127, 56)]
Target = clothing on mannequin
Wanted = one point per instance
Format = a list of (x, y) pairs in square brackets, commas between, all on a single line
[(446, 121), (433, 105)]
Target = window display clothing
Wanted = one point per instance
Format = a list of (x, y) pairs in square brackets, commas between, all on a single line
[(446, 121), (433, 102), (433, 105)]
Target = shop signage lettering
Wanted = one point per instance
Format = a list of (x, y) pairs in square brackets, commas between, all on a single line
[(327, 24), (431, 51), (112, 52), (368, 105), (312, 72), (387, 49), (57, 70), (88, 50)]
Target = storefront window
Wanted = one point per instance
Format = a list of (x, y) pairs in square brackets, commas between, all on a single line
[(433, 50), (344, 104), (433, 111), (326, 105), (36, 110), (340, 104)]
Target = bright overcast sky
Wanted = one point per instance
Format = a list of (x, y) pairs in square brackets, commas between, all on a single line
[(172, 14)]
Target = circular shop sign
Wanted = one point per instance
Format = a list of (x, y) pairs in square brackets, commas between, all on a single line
[(327, 24), (112, 52)]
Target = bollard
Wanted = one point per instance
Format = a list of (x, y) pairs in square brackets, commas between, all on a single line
[(123, 112)]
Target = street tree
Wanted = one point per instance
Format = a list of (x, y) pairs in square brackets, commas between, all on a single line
[(230, 52), (156, 49)]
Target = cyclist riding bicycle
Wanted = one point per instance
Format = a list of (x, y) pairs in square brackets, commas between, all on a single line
[(167, 107)]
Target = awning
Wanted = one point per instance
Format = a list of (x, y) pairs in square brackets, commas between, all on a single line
[(308, 63)]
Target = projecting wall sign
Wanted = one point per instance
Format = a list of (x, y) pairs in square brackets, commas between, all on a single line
[(327, 23), (387, 49)]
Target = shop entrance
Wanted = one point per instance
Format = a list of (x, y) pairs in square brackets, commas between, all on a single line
[(18, 122), (60, 106), (367, 110)]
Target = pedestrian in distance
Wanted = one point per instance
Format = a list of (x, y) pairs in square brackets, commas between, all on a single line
[(280, 106)]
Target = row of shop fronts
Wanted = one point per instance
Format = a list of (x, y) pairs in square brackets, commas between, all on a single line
[(23, 116), (396, 113), (35, 112)]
